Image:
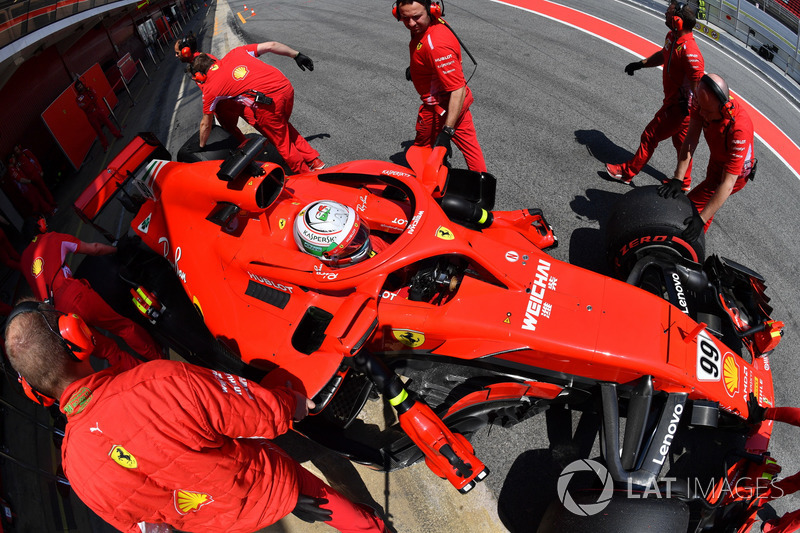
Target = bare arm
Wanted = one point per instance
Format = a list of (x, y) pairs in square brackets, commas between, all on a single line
[(720, 195), (455, 105), (688, 148), (95, 248), (274, 47), (205, 128), (655, 60)]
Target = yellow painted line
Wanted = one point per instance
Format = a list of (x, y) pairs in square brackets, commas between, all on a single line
[(241, 18)]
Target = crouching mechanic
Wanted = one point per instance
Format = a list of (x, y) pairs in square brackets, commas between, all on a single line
[(172, 443), (728, 131), (266, 95)]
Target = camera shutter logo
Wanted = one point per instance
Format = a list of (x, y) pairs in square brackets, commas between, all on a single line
[(585, 509)]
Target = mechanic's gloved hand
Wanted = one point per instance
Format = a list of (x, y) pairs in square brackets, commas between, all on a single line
[(671, 189), (127, 244), (408, 73), (444, 139), (308, 509), (630, 68), (694, 227), (755, 413), (304, 62)]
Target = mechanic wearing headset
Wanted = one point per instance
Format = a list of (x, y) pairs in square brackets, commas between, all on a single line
[(171, 443), (438, 77), (266, 94), (789, 415), (50, 278), (728, 131), (683, 67), (226, 111)]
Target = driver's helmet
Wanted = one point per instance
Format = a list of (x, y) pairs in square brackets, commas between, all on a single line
[(333, 232)]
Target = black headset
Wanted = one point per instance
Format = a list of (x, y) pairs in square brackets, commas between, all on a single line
[(725, 103), (73, 334)]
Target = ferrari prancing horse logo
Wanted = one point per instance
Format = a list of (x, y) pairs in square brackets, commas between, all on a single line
[(123, 457), (444, 234), (412, 339), (281, 223)]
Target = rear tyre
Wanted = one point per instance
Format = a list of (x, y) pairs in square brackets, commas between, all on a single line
[(642, 222)]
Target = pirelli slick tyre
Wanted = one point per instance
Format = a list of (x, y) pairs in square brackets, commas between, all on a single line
[(621, 515), (642, 223)]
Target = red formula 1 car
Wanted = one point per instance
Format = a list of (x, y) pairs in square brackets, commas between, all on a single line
[(457, 319)]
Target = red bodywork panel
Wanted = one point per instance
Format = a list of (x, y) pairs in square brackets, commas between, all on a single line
[(517, 303)]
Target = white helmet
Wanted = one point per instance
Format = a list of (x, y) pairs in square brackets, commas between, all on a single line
[(333, 232)]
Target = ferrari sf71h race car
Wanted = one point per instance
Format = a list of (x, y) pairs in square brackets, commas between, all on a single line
[(458, 320)]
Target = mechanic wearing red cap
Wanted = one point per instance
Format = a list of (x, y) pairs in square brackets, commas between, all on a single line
[(683, 67), (438, 77), (789, 485), (86, 98), (266, 94), (29, 164), (172, 443), (226, 111), (728, 131), (46, 271)]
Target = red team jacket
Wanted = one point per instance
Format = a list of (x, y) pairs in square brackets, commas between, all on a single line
[(683, 66), (730, 143), (170, 442), (436, 66), (238, 72)]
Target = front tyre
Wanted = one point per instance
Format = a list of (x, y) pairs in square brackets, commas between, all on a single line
[(642, 222)]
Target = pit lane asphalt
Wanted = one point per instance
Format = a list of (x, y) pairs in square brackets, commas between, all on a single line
[(552, 105)]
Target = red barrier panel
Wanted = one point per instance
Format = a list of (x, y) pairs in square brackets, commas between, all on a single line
[(68, 123)]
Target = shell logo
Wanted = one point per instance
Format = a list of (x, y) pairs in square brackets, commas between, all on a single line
[(187, 501), (730, 375), (37, 267), (240, 73)]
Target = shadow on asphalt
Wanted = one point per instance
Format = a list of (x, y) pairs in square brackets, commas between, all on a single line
[(607, 151), (528, 488)]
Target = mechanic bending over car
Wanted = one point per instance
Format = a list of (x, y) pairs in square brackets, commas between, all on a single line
[(683, 67), (172, 443), (335, 234), (438, 77), (50, 278), (728, 131), (266, 95), (790, 415), (227, 111)]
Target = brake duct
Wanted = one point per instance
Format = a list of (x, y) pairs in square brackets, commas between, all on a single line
[(449, 455)]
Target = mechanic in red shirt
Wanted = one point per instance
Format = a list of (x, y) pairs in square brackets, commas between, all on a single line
[(789, 485), (266, 95), (172, 443), (728, 131), (86, 98), (38, 205), (683, 67), (227, 111), (46, 271), (438, 77), (29, 164)]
